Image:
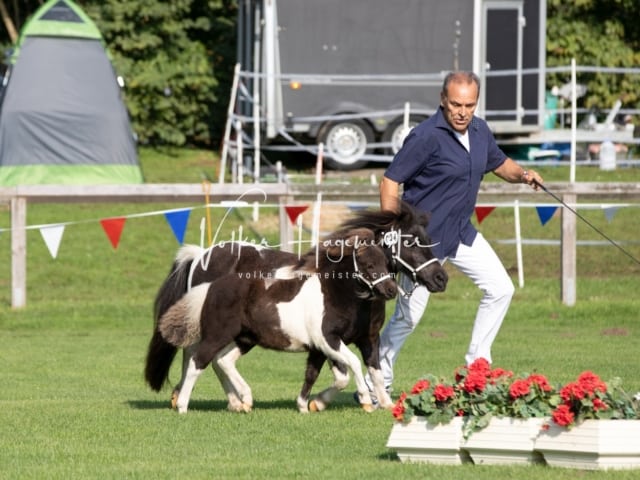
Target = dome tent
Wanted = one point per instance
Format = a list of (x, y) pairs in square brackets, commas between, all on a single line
[(62, 119)]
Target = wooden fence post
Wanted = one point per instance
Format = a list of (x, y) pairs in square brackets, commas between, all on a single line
[(18, 252), (568, 248), (286, 232)]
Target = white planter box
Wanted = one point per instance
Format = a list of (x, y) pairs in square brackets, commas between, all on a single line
[(592, 445), (417, 441), (505, 441)]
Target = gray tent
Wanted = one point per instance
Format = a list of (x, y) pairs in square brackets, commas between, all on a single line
[(62, 119)]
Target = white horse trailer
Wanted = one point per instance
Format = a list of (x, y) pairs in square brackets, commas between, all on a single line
[(354, 75)]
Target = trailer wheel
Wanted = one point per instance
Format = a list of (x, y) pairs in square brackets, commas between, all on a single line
[(395, 132), (345, 143)]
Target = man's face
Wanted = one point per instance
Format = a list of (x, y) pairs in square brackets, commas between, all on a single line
[(459, 103)]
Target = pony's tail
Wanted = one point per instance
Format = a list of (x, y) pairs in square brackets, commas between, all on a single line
[(159, 359), (180, 325), (176, 283), (161, 353)]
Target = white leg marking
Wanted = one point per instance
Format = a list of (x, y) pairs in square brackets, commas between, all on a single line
[(377, 380), (325, 397), (226, 361), (191, 377), (347, 357)]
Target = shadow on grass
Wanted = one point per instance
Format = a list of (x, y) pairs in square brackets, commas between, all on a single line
[(388, 457), (211, 405), (204, 405), (343, 401)]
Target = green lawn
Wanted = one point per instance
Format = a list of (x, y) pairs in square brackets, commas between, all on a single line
[(75, 405)]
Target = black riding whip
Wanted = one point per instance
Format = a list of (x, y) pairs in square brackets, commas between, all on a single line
[(613, 242)]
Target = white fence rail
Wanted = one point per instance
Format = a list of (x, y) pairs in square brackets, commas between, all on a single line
[(283, 194)]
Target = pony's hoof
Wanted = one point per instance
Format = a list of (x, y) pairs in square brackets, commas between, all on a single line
[(174, 400), (367, 407), (313, 406), (239, 408)]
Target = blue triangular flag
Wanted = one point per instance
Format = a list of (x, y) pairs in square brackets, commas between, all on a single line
[(356, 207), (178, 222), (609, 212), (545, 213)]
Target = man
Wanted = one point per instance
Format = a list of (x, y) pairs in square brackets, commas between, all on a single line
[(441, 165)]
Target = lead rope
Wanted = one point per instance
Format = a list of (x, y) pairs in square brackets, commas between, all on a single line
[(575, 212)]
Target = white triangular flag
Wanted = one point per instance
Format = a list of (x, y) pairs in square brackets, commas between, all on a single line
[(52, 236)]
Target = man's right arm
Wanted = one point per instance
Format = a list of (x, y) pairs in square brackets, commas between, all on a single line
[(389, 195)]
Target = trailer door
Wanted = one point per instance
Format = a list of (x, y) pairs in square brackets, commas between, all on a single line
[(503, 23)]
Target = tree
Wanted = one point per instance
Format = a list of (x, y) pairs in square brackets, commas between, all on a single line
[(220, 43), (596, 33), (169, 78), (8, 22)]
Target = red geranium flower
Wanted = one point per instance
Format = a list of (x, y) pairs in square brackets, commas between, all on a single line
[(563, 416), (420, 386), (476, 381), (519, 388), (599, 404), (442, 393), (591, 383), (398, 411), (572, 391), (499, 373), (541, 381), (480, 365)]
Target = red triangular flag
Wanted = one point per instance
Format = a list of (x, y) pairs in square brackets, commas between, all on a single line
[(483, 212), (113, 228), (294, 211)]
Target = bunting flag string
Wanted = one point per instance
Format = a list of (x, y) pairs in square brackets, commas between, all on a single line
[(545, 213), (609, 213), (293, 211), (113, 228), (483, 212), (52, 237), (178, 220), (355, 207)]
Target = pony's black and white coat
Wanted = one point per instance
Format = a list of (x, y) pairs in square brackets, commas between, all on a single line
[(304, 307), (405, 243)]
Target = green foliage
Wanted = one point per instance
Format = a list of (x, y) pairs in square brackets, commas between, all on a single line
[(177, 57), (596, 33), (589, 398), (169, 76), (478, 393)]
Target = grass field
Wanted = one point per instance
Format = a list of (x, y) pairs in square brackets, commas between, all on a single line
[(75, 406)]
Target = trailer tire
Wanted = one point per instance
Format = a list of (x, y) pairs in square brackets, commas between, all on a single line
[(395, 134), (345, 142)]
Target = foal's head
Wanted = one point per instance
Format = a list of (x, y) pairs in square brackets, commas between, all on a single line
[(356, 256), (404, 238), (411, 250)]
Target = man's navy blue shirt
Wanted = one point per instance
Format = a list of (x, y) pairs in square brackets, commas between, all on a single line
[(440, 176)]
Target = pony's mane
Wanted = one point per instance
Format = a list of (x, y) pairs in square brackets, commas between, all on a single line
[(380, 221), (320, 255)]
